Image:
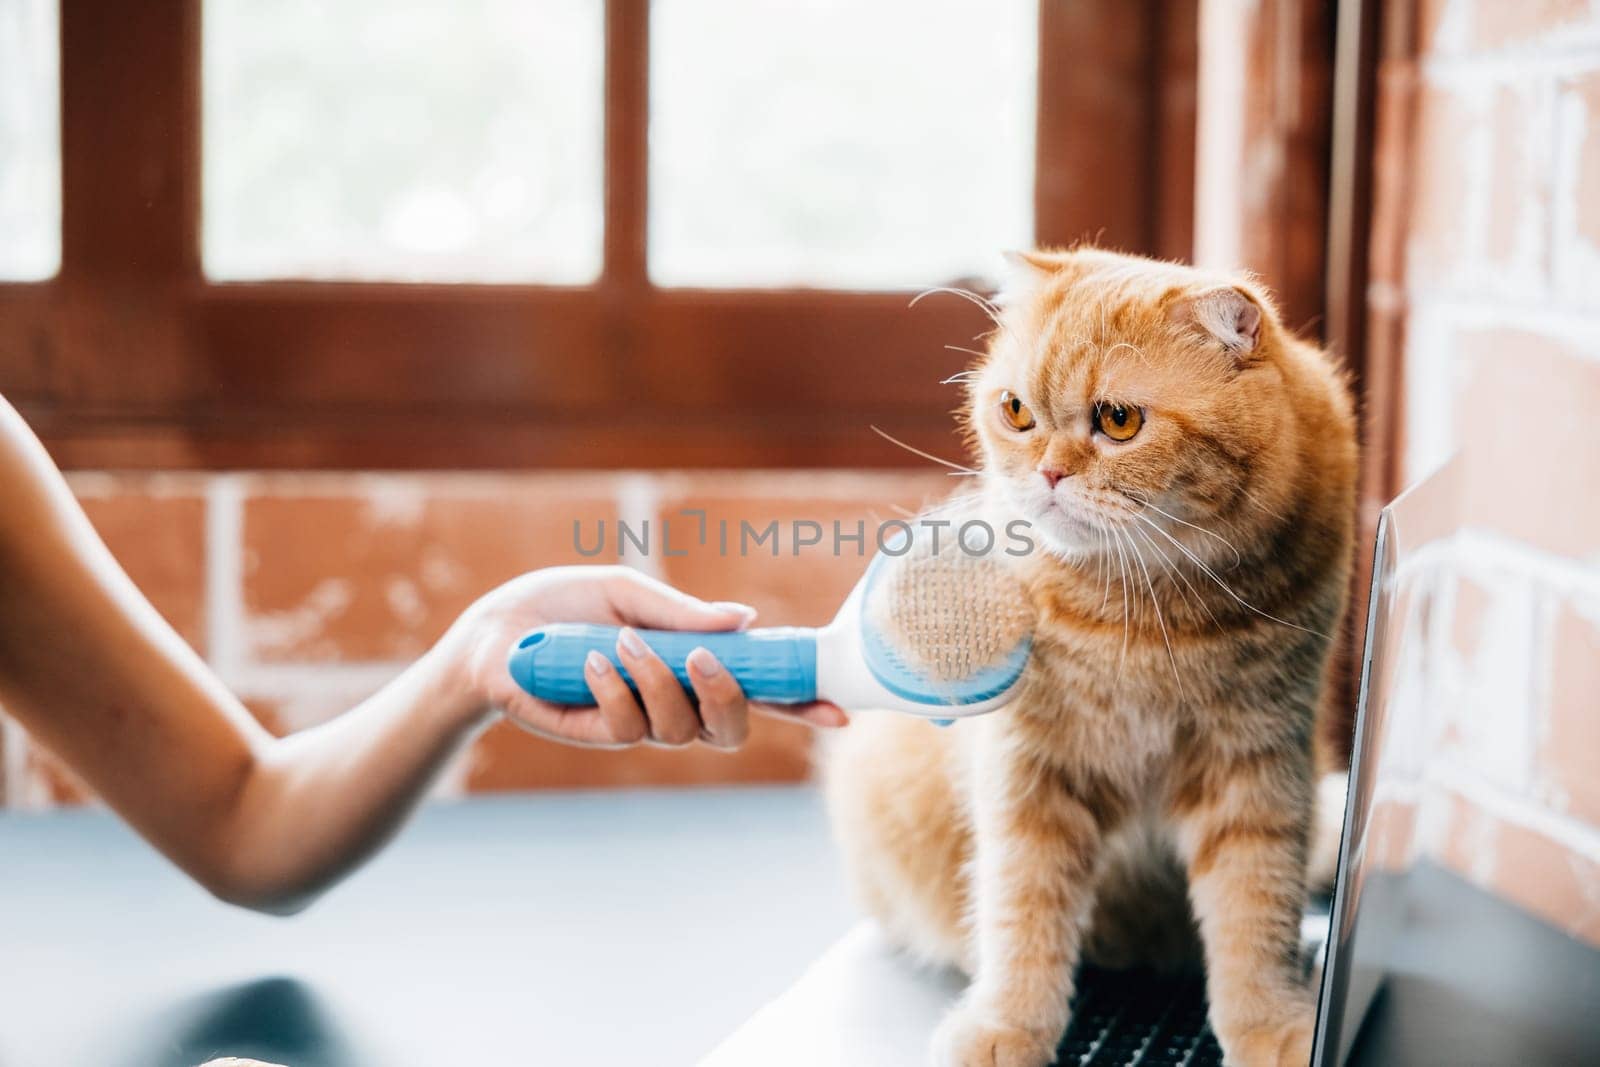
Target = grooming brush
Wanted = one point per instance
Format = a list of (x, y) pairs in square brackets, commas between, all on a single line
[(942, 635)]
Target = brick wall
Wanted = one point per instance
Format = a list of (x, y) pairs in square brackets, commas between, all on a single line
[(1487, 279), (307, 592)]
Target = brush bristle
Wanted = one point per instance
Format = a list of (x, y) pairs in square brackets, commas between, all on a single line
[(948, 617)]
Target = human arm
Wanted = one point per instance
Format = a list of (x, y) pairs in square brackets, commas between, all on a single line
[(91, 670)]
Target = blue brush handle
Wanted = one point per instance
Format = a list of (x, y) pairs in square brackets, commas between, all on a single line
[(775, 666)]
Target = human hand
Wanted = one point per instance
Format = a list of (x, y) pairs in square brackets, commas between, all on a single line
[(481, 639)]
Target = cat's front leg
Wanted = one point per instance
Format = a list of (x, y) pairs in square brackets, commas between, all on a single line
[(1035, 841), (1244, 836)]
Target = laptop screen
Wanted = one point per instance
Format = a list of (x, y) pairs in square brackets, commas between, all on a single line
[(1376, 851)]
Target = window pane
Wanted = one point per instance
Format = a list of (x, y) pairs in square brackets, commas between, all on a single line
[(849, 143), (403, 140), (30, 141)]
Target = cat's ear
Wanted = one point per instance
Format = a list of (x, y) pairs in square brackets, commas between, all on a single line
[(1227, 314), (1025, 272)]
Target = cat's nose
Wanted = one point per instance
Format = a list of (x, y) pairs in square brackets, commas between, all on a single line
[(1052, 475)]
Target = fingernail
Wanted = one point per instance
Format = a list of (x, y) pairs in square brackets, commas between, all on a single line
[(595, 663), (631, 643), (705, 663), (737, 608)]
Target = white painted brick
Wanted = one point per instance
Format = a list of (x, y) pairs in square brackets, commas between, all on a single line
[(1433, 377), (1575, 260), (1493, 685)]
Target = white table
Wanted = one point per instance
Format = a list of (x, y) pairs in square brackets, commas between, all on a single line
[(859, 1005), (621, 928)]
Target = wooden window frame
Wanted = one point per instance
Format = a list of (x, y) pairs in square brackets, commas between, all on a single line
[(130, 358)]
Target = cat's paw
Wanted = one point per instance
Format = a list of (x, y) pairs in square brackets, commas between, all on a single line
[(1286, 1043), (971, 1038)]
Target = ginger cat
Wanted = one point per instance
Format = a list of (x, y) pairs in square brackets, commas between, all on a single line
[(1188, 469)]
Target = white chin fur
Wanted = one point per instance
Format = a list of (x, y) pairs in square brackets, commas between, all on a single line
[(1056, 534), (1063, 536), (1067, 540)]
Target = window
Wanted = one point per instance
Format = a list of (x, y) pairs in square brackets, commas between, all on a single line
[(30, 146), (464, 146), (574, 233), (814, 144)]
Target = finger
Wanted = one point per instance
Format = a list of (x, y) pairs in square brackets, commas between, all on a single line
[(672, 718), (625, 720), (821, 714), (579, 726), (722, 705), (642, 601)]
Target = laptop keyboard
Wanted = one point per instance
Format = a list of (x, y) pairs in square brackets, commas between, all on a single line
[(1138, 1019)]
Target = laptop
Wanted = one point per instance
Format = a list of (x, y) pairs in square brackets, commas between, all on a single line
[(858, 1005)]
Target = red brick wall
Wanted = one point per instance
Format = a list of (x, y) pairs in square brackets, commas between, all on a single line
[(1487, 276), (307, 592)]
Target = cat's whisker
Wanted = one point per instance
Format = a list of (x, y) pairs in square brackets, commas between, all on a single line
[(1248, 495), (1122, 570), (1136, 609), (1137, 351), (968, 351), (1098, 554), (1174, 569), (960, 376), (989, 307), (1155, 603), (955, 290), (1231, 503), (1164, 560), (1198, 562), (1237, 558), (919, 452), (1102, 558), (1134, 573)]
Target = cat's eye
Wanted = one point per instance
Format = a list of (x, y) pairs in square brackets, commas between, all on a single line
[(1118, 421), (1015, 411)]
